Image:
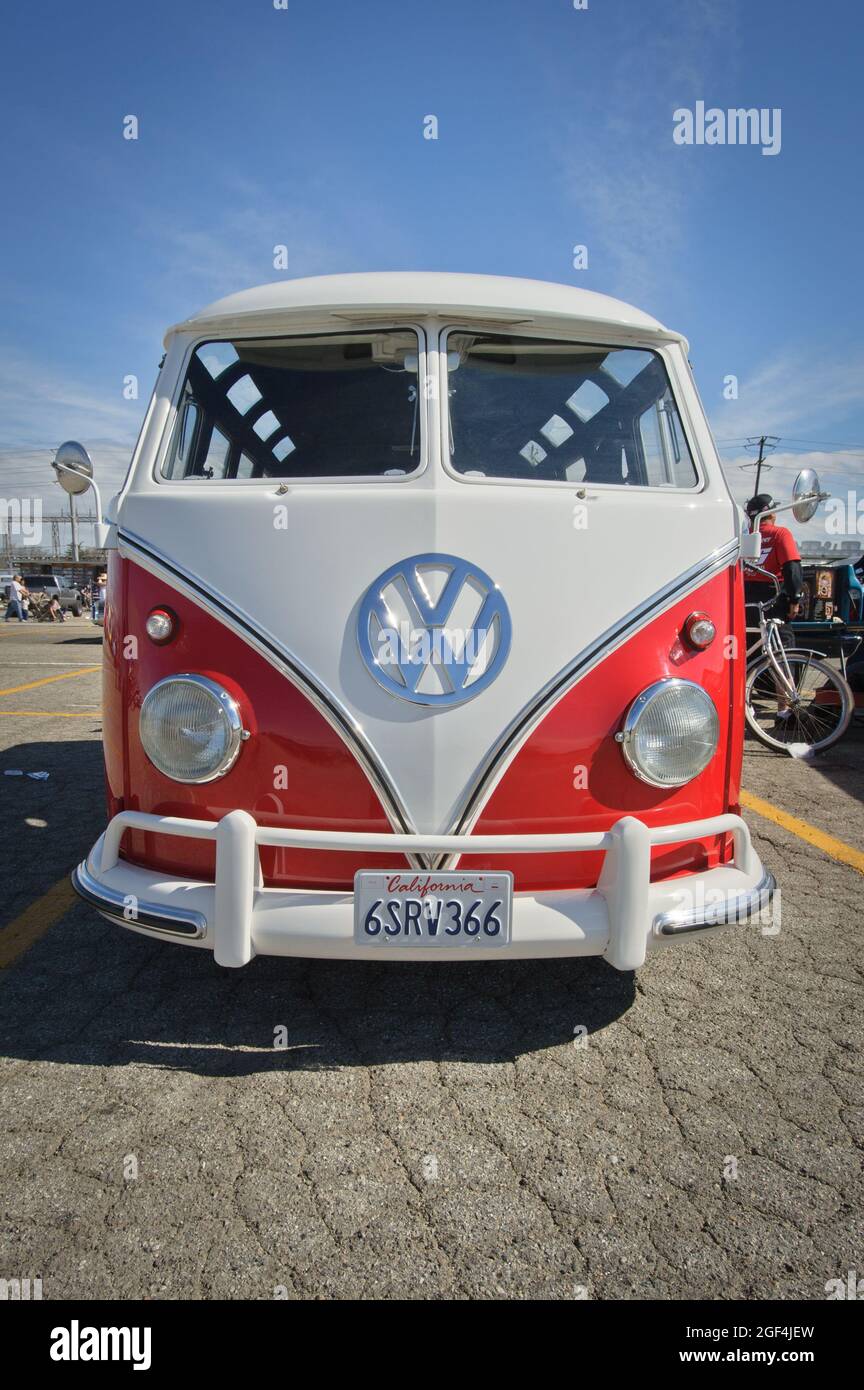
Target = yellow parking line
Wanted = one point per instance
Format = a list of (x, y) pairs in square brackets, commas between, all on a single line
[(53, 713), (46, 680), (836, 849), (35, 920)]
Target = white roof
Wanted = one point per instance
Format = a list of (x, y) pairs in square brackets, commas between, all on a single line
[(499, 297)]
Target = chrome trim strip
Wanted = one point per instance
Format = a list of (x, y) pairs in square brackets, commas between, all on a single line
[(502, 752), (339, 719), (738, 908), (176, 921)]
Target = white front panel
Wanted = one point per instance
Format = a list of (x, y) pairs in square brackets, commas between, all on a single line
[(564, 584)]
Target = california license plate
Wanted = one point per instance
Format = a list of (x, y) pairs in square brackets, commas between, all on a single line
[(399, 908)]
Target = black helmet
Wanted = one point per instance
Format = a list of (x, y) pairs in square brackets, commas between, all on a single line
[(762, 502)]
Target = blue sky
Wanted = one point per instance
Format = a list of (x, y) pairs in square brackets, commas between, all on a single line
[(304, 126)]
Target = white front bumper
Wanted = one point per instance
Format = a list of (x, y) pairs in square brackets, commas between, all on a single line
[(237, 918)]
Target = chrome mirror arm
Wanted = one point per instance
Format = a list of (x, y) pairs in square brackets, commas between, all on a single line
[(787, 506), (100, 526)]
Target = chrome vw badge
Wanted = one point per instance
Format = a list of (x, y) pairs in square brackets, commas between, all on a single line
[(434, 630)]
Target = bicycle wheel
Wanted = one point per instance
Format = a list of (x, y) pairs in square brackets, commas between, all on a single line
[(814, 719)]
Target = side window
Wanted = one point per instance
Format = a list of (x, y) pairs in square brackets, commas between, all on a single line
[(652, 447), (186, 431), (667, 462), (215, 464)]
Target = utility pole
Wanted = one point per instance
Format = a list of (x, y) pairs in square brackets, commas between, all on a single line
[(759, 463), (74, 527), (764, 441)]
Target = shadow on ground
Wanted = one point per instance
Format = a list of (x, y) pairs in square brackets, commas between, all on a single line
[(92, 994), (47, 826)]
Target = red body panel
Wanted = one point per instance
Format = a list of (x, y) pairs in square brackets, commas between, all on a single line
[(326, 788), (295, 770), (575, 743)]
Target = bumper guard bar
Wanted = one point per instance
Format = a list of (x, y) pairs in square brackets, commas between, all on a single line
[(628, 898)]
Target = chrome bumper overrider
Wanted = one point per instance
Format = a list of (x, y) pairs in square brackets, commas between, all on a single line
[(237, 917)]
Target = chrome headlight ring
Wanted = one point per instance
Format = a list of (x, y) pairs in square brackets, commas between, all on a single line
[(701, 705), (225, 708)]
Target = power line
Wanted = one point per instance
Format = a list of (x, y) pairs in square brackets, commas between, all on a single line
[(825, 443), (788, 448), (816, 443)]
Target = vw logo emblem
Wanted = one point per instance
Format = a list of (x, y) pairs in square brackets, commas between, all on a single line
[(434, 629)]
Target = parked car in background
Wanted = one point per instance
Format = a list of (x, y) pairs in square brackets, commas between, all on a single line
[(71, 599)]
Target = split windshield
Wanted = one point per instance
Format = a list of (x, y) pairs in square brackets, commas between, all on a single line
[(555, 412), (347, 405), (337, 405)]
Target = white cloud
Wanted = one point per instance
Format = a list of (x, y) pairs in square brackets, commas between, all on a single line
[(839, 473), (799, 395), (629, 183), (42, 406), (206, 255), (808, 391)]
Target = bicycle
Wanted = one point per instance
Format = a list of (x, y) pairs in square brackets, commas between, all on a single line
[(795, 702)]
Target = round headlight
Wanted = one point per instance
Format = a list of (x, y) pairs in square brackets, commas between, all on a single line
[(190, 728), (670, 733)]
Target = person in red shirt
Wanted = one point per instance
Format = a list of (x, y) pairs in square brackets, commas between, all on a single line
[(779, 557)]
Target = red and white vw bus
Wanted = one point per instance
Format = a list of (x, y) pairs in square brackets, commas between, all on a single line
[(424, 633)]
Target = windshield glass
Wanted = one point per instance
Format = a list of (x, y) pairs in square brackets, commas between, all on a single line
[(336, 405), (561, 412)]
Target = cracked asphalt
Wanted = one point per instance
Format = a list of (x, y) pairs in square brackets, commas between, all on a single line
[(426, 1131)]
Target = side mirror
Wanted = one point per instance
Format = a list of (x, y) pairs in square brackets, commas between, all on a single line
[(806, 495), (74, 469)]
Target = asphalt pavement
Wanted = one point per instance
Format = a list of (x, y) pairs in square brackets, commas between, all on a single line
[(507, 1130)]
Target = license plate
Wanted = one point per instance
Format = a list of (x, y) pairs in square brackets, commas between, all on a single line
[(432, 909)]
